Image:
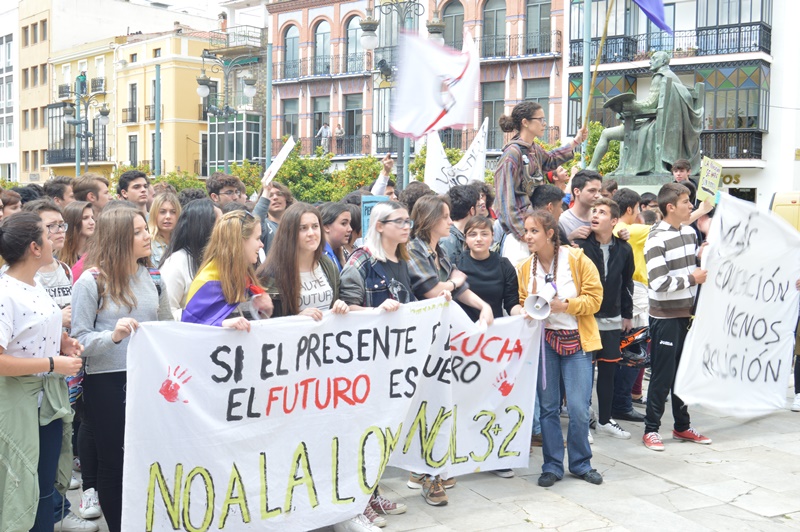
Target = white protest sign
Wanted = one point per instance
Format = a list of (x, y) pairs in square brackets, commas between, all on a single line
[(440, 175), (290, 426), (737, 357), (278, 161), (710, 175)]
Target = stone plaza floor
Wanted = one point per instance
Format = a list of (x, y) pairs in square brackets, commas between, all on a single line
[(747, 479)]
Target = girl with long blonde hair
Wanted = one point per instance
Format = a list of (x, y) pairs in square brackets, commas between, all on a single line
[(226, 291), (164, 215), (79, 217), (116, 292)]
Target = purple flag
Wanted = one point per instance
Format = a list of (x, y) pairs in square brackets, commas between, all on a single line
[(654, 9)]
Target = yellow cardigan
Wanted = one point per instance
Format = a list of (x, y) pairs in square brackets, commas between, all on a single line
[(590, 295)]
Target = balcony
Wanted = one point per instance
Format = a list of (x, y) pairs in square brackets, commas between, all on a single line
[(731, 144), (68, 156), (495, 139), (504, 46), (323, 65), (98, 85), (129, 115), (63, 90), (238, 40), (348, 145), (720, 40), (286, 70), (150, 112)]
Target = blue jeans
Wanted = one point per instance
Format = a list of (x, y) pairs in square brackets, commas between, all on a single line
[(623, 384), (49, 451), (576, 371), (537, 425), (61, 506)]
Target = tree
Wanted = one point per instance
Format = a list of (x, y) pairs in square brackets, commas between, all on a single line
[(417, 168), (357, 173), (308, 178), (180, 180), (249, 173)]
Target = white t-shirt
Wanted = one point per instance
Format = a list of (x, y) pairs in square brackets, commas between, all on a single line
[(315, 291), (57, 284), (566, 290), (30, 321)]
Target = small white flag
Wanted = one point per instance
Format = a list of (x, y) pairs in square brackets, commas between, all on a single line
[(440, 175)]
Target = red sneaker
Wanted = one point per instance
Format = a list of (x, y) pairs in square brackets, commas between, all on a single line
[(690, 434), (652, 440)]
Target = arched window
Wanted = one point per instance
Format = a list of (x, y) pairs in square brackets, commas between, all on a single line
[(494, 29), (453, 17), (355, 53), (291, 57), (322, 48)]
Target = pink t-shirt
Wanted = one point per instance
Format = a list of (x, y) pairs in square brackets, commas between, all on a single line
[(77, 270)]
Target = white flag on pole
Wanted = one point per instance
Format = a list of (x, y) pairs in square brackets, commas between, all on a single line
[(440, 175), (276, 164), (436, 86)]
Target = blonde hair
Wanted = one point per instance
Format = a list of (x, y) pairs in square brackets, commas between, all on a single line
[(226, 250), (152, 222), (373, 240), (112, 253)]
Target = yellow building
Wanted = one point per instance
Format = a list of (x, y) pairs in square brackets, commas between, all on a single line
[(34, 51)]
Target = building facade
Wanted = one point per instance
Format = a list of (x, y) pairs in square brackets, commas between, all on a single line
[(9, 93)]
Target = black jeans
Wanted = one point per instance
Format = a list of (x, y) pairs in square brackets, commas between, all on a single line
[(104, 396), (666, 341)]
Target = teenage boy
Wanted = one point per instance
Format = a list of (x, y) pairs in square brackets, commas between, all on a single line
[(134, 186), (463, 202), (672, 273), (585, 191), (59, 189), (681, 169), (274, 200), (628, 378), (549, 198), (614, 260), (223, 188), (94, 189)]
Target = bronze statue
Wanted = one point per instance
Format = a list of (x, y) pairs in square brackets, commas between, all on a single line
[(656, 131)]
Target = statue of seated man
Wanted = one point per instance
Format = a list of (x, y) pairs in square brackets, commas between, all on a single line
[(658, 130)]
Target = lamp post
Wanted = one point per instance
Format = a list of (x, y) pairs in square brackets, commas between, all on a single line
[(406, 10), (219, 64), (72, 116)]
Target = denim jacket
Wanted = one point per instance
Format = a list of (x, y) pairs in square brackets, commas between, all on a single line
[(364, 281)]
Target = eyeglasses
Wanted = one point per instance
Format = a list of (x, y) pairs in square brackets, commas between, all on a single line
[(56, 227), (231, 193), (400, 222), (541, 119)]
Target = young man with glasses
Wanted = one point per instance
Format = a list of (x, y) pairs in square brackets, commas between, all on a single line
[(223, 188)]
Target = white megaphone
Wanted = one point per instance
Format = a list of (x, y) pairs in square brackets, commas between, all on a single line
[(538, 305)]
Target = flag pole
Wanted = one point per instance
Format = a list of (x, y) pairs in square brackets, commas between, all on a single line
[(597, 64)]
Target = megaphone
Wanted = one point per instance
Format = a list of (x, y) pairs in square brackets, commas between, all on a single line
[(538, 305)]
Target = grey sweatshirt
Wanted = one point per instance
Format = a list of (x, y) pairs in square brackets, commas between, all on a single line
[(93, 329)]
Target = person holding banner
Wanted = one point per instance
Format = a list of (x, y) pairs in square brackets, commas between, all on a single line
[(571, 333), (31, 370), (225, 291), (114, 294), (520, 169)]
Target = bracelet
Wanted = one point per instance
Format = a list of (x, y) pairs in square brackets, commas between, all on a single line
[(454, 286), (52, 365)]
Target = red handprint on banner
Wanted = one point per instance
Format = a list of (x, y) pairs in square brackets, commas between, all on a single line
[(172, 385), (502, 384)]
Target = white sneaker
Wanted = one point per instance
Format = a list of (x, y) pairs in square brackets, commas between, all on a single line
[(90, 506), (613, 429), (73, 523), (358, 523), (591, 439), (796, 404), (74, 483)]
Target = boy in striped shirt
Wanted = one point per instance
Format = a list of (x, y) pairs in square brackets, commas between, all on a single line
[(673, 276)]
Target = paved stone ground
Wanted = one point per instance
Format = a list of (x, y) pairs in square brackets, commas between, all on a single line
[(748, 479)]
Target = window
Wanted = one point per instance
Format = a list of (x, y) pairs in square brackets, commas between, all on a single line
[(733, 12), (8, 53), (494, 29), (2, 97), (35, 165), (736, 98), (291, 117), (616, 24), (35, 33), (134, 58), (66, 74), (9, 133), (9, 95), (453, 18), (322, 115), (537, 27), (157, 52), (244, 140), (493, 104), (353, 123), (2, 136), (26, 36), (43, 115), (34, 118), (43, 73), (291, 58), (658, 40), (538, 90), (26, 80), (355, 58), (133, 149), (322, 46), (26, 161), (43, 29), (35, 76), (98, 152), (26, 117)]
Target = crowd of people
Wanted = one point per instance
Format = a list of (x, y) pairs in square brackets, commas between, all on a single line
[(81, 271)]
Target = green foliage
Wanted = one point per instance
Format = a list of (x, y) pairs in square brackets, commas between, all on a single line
[(308, 178), (250, 174), (610, 161), (180, 180), (5, 185), (417, 169), (356, 174)]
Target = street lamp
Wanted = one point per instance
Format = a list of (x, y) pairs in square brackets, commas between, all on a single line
[(405, 10), (219, 64), (72, 116)]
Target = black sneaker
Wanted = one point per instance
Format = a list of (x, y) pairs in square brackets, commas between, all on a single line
[(591, 476), (548, 479), (631, 415)]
